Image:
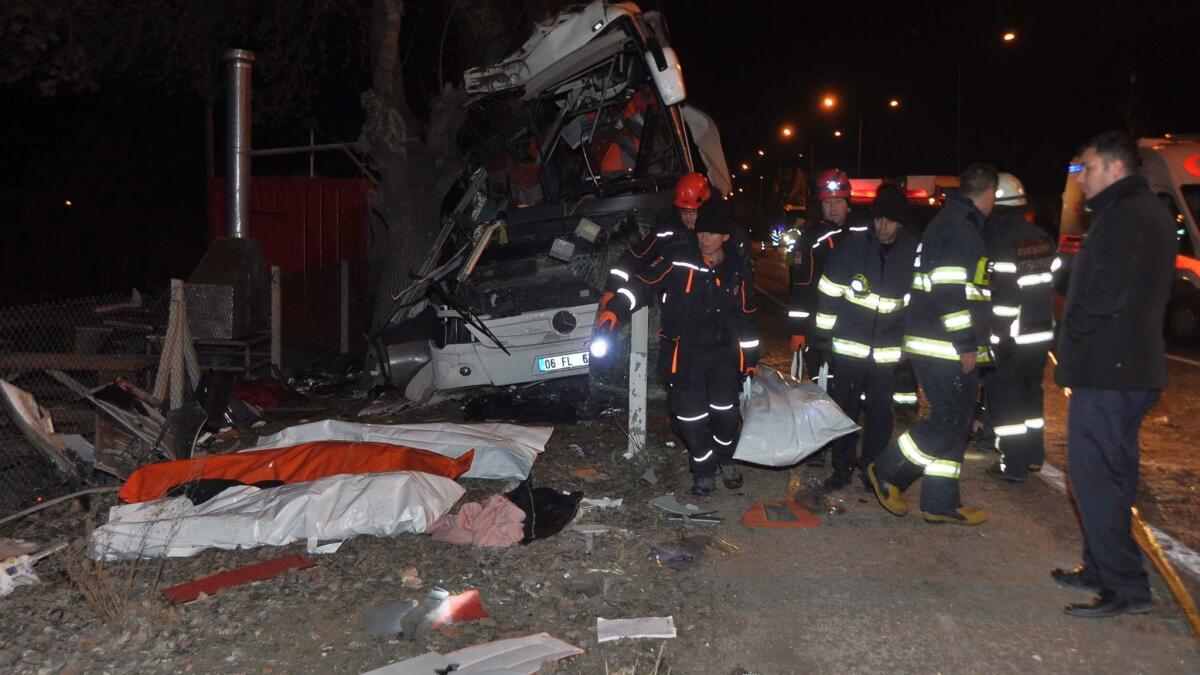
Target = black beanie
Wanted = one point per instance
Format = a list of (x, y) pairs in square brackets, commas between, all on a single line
[(714, 217), (890, 204)]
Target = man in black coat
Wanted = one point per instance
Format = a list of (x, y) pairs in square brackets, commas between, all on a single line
[(1111, 356)]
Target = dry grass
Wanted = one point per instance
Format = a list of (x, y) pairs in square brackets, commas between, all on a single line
[(120, 597)]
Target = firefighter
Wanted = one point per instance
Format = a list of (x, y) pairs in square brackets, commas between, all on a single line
[(860, 314), (1021, 256), (708, 318), (946, 336), (812, 250)]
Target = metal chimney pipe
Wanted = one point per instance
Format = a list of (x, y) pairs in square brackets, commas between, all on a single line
[(237, 150)]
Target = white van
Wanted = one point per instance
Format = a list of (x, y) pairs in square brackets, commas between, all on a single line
[(1171, 165)]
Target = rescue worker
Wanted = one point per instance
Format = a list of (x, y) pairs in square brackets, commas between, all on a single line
[(708, 311), (860, 319), (946, 335), (691, 191), (816, 242), (1021, 256)]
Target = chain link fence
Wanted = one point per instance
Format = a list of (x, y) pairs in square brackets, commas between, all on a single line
[(94, 340)]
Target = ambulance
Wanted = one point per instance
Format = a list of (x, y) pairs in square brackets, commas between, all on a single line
[(1171, 164)]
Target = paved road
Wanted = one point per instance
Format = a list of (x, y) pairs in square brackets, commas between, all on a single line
[(1169, 495)]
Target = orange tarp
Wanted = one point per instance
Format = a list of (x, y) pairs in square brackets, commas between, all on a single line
[(295, 464)]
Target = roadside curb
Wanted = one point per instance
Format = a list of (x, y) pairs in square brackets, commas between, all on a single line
[(1178, 553)]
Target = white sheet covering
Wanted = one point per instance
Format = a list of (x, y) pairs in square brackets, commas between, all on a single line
[(330, 508), (502, 451)]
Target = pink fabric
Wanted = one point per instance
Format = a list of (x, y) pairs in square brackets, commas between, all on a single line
[(497, 522)]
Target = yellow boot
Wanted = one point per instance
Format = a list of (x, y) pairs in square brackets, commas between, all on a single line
[(890, 497), (960, 516)]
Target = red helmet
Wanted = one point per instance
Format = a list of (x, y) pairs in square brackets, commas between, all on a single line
[(691, 191), (833, 184)]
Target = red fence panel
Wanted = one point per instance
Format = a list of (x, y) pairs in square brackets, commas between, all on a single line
[(307, 227)]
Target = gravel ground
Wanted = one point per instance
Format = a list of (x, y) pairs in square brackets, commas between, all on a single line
[(865, 592)]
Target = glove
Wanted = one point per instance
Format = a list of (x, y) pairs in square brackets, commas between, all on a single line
[(604, 300), (606, 321), (798, 342)]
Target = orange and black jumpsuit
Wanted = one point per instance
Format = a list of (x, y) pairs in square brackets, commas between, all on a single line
[(708, 316)]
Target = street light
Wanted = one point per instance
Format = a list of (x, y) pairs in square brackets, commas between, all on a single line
[(761, 153), (894, 103), (829, 101), (1010, 36), (745, 167), (787, 131), (838, 133)]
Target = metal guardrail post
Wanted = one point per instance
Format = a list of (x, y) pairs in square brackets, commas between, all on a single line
[(276, 319), (639, 339), (344, 305)]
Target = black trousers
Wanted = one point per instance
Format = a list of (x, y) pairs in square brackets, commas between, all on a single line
[(702, 400), (1014, 395), (1102, 461), (933, 448), (856, 378)]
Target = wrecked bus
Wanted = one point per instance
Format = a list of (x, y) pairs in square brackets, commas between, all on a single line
[(575, 143)]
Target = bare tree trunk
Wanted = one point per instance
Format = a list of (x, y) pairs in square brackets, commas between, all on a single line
[(417, 162)]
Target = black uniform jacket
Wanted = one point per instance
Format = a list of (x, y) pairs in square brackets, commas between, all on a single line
[(950, 313), (863, 296), (702, 304), (1021, 258), (1112, 333), (817, 241)]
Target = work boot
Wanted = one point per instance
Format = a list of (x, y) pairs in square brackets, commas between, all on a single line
[(731, 476), (890, 497), (960, 516), (703, 486), (839, 479), (996, 470)]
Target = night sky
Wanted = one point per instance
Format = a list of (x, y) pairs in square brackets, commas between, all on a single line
[(1026, 104), (131, 157)]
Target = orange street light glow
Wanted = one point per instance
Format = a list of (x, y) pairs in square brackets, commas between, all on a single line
[(1010, 36), (837, 134), (761, 153), (745, 166), (786, 131), (894, 103), (829, 101)]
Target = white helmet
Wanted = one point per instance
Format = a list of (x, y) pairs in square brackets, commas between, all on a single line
[(1009, 191)]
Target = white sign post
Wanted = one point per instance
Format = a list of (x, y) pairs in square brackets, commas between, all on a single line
[(639, 342)]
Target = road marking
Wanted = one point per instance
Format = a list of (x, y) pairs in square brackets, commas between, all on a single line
[(1183, 360), (1178, 553), (784, 304)]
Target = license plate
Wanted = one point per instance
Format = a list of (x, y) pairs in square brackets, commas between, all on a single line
[(546, 364)]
